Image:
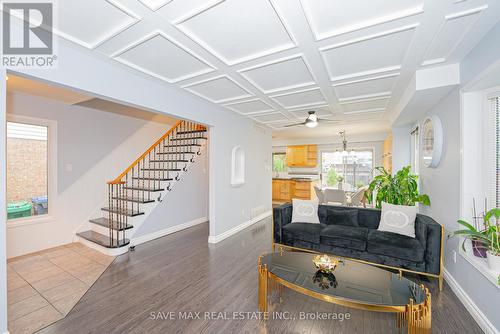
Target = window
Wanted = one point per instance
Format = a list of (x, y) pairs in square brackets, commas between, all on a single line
[(279, 162), (415, 149), (27, 169), (354, 169)]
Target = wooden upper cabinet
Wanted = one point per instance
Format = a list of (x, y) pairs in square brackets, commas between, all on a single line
[(302, 156)]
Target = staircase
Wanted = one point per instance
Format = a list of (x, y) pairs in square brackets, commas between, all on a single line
[(144, 184)]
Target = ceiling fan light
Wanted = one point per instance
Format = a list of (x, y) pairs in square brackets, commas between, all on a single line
[(311, 124), (313, 118)]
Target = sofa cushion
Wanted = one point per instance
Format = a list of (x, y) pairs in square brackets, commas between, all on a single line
[(305, 211), (342, 217), (395, 245), (344, 236), (303, 231)]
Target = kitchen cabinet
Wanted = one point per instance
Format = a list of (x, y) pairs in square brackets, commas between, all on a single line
[(286, 189), (302, 156)]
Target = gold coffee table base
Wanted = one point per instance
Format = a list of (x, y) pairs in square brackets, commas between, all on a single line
[(411, 319)]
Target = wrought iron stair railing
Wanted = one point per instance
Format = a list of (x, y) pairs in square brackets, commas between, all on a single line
[(154, 171)]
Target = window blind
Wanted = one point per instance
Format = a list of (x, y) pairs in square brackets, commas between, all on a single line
[(492, 148), (497, 151)]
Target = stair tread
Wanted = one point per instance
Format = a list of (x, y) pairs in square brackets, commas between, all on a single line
[(114, 225), (183, 145), (169, 160), (135, 199), (102, 239), (143, 189), (125, 212), (184, 152), (189, 138), (162, 169), (191, 131), (151, 178)]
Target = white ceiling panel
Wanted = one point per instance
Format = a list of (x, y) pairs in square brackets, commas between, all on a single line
[(368, 55), (273, 117), (250, 107), (162, 57), (320, 111), (303, 98), (92, 22), (238, 30), (452, 31), (271, 59), (219, 89), (365, 106), (155, 4), (329, 18), (282, 74), (380, 85)]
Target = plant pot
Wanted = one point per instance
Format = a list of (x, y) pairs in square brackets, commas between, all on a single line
[(479, 249), (494, 262)]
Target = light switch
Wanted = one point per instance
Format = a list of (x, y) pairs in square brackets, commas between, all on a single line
[(69, 167)]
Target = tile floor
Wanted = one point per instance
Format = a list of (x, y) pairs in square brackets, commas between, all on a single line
[(44, 286)]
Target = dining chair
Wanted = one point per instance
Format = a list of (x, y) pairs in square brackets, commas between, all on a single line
[(319, 194), (335, 196), (357, 198)]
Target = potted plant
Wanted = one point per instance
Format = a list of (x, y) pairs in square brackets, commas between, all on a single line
[(489, 237), (400, 189)]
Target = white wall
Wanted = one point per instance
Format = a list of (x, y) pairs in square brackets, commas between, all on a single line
[(401, 146), (229, 206), (98, 145), (3, 213)]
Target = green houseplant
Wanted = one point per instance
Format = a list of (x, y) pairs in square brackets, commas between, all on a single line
[(489, 236), (400, 189)]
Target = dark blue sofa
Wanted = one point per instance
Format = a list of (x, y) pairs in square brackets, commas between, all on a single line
[(421, 254)]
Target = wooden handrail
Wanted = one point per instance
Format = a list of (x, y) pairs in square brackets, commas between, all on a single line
[(118, 180)]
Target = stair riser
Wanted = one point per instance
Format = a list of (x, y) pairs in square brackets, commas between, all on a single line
[(103, 230), (99, 248)]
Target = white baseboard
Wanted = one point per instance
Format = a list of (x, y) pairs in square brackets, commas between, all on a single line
[(166, 231), (469, 304), (213, 239)]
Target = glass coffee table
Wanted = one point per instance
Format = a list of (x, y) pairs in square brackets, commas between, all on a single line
[(351, 284)]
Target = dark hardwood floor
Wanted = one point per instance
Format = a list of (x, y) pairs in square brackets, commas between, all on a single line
[(183, 273)]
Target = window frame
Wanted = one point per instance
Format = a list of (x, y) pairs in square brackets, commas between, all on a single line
[(355, 149), (272, 159), (475, 129), (51, 172)]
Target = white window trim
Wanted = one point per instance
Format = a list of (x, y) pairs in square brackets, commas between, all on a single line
[(476, 161), (336, 147), (52, 172)]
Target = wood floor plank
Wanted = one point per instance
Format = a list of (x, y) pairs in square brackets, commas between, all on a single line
[(183, 273)]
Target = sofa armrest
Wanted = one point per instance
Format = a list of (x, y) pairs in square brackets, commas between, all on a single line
[(282, 215), (429, 233)]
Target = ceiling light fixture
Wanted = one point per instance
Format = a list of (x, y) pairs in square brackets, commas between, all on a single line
[(311, 121), (345, 153)]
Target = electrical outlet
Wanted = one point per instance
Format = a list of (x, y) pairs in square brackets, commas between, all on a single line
[(454, 257)]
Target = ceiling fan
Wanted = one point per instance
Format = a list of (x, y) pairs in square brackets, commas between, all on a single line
[(312, 121)]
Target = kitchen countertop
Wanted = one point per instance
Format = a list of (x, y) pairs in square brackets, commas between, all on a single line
[(300, 179)]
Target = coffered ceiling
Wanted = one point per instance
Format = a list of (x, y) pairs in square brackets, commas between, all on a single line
[(273, 60)]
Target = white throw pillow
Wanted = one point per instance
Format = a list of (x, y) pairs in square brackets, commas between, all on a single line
[(398, 219), (305, 211)]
